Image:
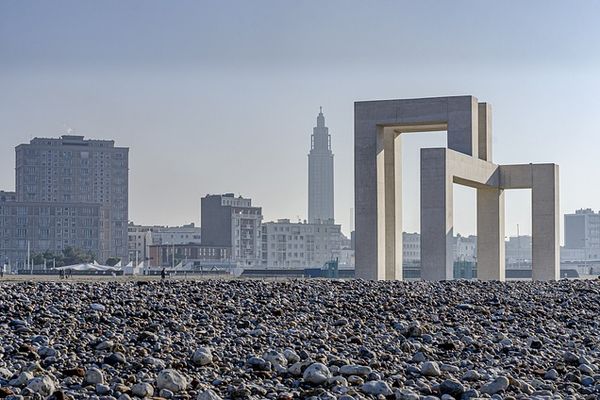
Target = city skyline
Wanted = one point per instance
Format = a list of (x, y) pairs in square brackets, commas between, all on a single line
[(242, 94)]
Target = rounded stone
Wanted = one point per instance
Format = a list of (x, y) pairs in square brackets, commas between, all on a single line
[(172, 380), (452, 387), (42, 385), (208, 394), (202, 356), (94, 375), (142, 389), (360, 370), (376, 388), (499, 384), (430, 368), (102, 389), (316, 373)]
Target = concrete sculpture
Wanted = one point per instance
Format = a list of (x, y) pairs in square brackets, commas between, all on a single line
[(466, 161)]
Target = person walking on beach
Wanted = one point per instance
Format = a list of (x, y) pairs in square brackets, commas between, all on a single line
[(163, 274)]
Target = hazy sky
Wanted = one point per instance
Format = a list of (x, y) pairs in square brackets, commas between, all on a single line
[(221, 96)]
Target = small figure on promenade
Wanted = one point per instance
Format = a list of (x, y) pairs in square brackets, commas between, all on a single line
[(163, 274)]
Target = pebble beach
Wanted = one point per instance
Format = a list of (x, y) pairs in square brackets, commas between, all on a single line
[(297, 339)]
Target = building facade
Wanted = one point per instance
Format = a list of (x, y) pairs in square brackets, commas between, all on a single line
[(582, 229), (229, 221), (320, 174), (170, 255), (141, 237), (465, 248), (518, 251), (288, 244), (6, 196), (27, 228), (411, 249), (73, 170)]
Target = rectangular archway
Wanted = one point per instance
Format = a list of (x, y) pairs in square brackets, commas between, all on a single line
[(543, 180), (378, 184), (440, 169)]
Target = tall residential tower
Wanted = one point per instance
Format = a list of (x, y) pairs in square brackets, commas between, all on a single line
[(320, 174), (73, 170)]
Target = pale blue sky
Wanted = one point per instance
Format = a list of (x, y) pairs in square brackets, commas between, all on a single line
[(216, 96)]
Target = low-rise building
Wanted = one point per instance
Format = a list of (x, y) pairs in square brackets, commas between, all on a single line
[(411, 249), (465, 248), (169, 255), (518, 251), (141, 237), (582, 229), (287, 244)]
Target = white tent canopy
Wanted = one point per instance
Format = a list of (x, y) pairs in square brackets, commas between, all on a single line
[(88, 267)]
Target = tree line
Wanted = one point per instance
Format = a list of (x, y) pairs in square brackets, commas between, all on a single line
[(68, 256)]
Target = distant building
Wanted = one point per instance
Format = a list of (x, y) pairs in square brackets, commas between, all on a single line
[(346, 258), (287, 244), (229, 221), (141, 237), (70, 192), (517, 251), (7, 196), (320, 174), (72, 170), (582, 229), (411, 249), (185, 234), (165, 255), (465, 248), (35, 227)]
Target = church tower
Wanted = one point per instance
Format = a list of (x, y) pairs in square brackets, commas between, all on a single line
[(320, 173)]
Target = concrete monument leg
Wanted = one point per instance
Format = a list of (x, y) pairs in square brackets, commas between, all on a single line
[(490, 234), (545, 213), (437, 230), (389, 205)]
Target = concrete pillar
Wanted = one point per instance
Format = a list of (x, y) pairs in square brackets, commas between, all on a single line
[(389, 206), (545, 213), (365, 199), (490, 234), (437, 230), (396, 271)]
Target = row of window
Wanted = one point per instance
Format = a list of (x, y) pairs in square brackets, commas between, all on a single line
[(305, 229)]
